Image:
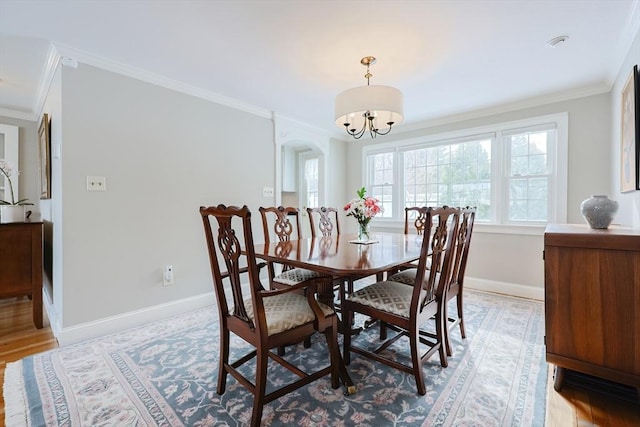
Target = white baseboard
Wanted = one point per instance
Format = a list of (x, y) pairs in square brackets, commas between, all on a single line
[(108, 325), (513, 289)]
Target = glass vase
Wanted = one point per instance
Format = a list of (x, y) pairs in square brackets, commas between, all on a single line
[(363, 232)]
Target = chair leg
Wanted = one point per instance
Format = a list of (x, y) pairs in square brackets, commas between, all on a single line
[(262, 359), (383, 330), (446, 341), (334, 354), (224, 359), (442, 335), (347, 319), (307, 342), (460, 313), (414, 343)]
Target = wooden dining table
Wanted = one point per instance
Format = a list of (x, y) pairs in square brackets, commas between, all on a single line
[(339, 256), (344, 257)]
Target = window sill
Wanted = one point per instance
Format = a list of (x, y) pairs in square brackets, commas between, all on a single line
[(522, 230)]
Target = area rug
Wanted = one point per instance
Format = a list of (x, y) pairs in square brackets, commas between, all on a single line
[(164, 374)]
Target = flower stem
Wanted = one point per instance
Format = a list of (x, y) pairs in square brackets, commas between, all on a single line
[(13, 201)]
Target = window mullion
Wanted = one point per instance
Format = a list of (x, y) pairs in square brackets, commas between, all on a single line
[(499, 179), (398, 178)]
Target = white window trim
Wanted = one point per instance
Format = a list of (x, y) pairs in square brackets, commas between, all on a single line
[(558, 188)]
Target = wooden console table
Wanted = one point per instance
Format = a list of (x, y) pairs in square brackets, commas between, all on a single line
[(21, 263), (592, 302)]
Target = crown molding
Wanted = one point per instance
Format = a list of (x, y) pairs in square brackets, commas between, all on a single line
[(158, 80), (15, 114), (627, 37), (46, 77)]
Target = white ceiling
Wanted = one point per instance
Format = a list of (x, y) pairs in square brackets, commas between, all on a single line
[(293, 56)]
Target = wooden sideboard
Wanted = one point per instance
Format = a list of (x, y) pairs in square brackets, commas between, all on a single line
[(592, 302), (21, 263)]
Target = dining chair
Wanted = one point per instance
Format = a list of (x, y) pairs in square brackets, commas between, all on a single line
[(265, 319), (458, 268), (417, 216), (405, 309), (284, 222), (324, 220)]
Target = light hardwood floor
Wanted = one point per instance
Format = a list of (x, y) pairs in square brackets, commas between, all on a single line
[(573, 407)]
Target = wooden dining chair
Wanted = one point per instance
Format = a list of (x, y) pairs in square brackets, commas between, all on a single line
[(458, 268), (323, 220), (265, 319), (285, 225), (405, 309), (417, 217), (414, 223)]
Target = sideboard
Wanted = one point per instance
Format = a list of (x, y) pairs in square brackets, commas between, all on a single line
[(592, 302), (21, 263)]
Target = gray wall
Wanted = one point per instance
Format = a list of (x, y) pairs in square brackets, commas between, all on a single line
[(499, 260), (163, 154), (629, 210)]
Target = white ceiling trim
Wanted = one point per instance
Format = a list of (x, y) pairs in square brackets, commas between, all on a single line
[(631, 28), (21, 115), (46, 77)]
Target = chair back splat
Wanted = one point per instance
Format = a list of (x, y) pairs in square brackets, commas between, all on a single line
[(327, 221), (418, 215), (266, 319)]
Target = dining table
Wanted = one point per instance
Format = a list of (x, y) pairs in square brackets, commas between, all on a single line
[(344, 255), (346, 258)]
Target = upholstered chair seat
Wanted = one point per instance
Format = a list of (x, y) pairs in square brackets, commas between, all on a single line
[(294, 276), (286, 311)]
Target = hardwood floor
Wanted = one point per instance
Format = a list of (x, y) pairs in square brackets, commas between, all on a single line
[(19, 337), (572, 407)]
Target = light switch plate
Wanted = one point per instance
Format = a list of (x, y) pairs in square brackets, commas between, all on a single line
[(267, 191)]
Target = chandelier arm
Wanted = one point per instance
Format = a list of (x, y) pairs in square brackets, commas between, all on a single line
[(353, 133), (377, 131)]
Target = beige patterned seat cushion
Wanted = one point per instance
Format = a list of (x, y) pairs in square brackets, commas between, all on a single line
[(408, 276), (393, 297), (286, 311), (295, 276)]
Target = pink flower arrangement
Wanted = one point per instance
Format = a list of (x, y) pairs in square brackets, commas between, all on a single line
[(363, 209)]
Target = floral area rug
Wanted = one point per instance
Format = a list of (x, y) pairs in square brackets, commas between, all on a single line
[(164, 374)]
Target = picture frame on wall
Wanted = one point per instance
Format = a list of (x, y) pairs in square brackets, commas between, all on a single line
[(44, 141), (629, 135)]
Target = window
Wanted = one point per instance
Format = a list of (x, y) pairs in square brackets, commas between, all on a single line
[(311, 181), (514, 173), (529, 174), (454, 174), (380, 182)]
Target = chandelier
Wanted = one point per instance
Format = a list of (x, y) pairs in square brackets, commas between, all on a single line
[(368, 108)]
